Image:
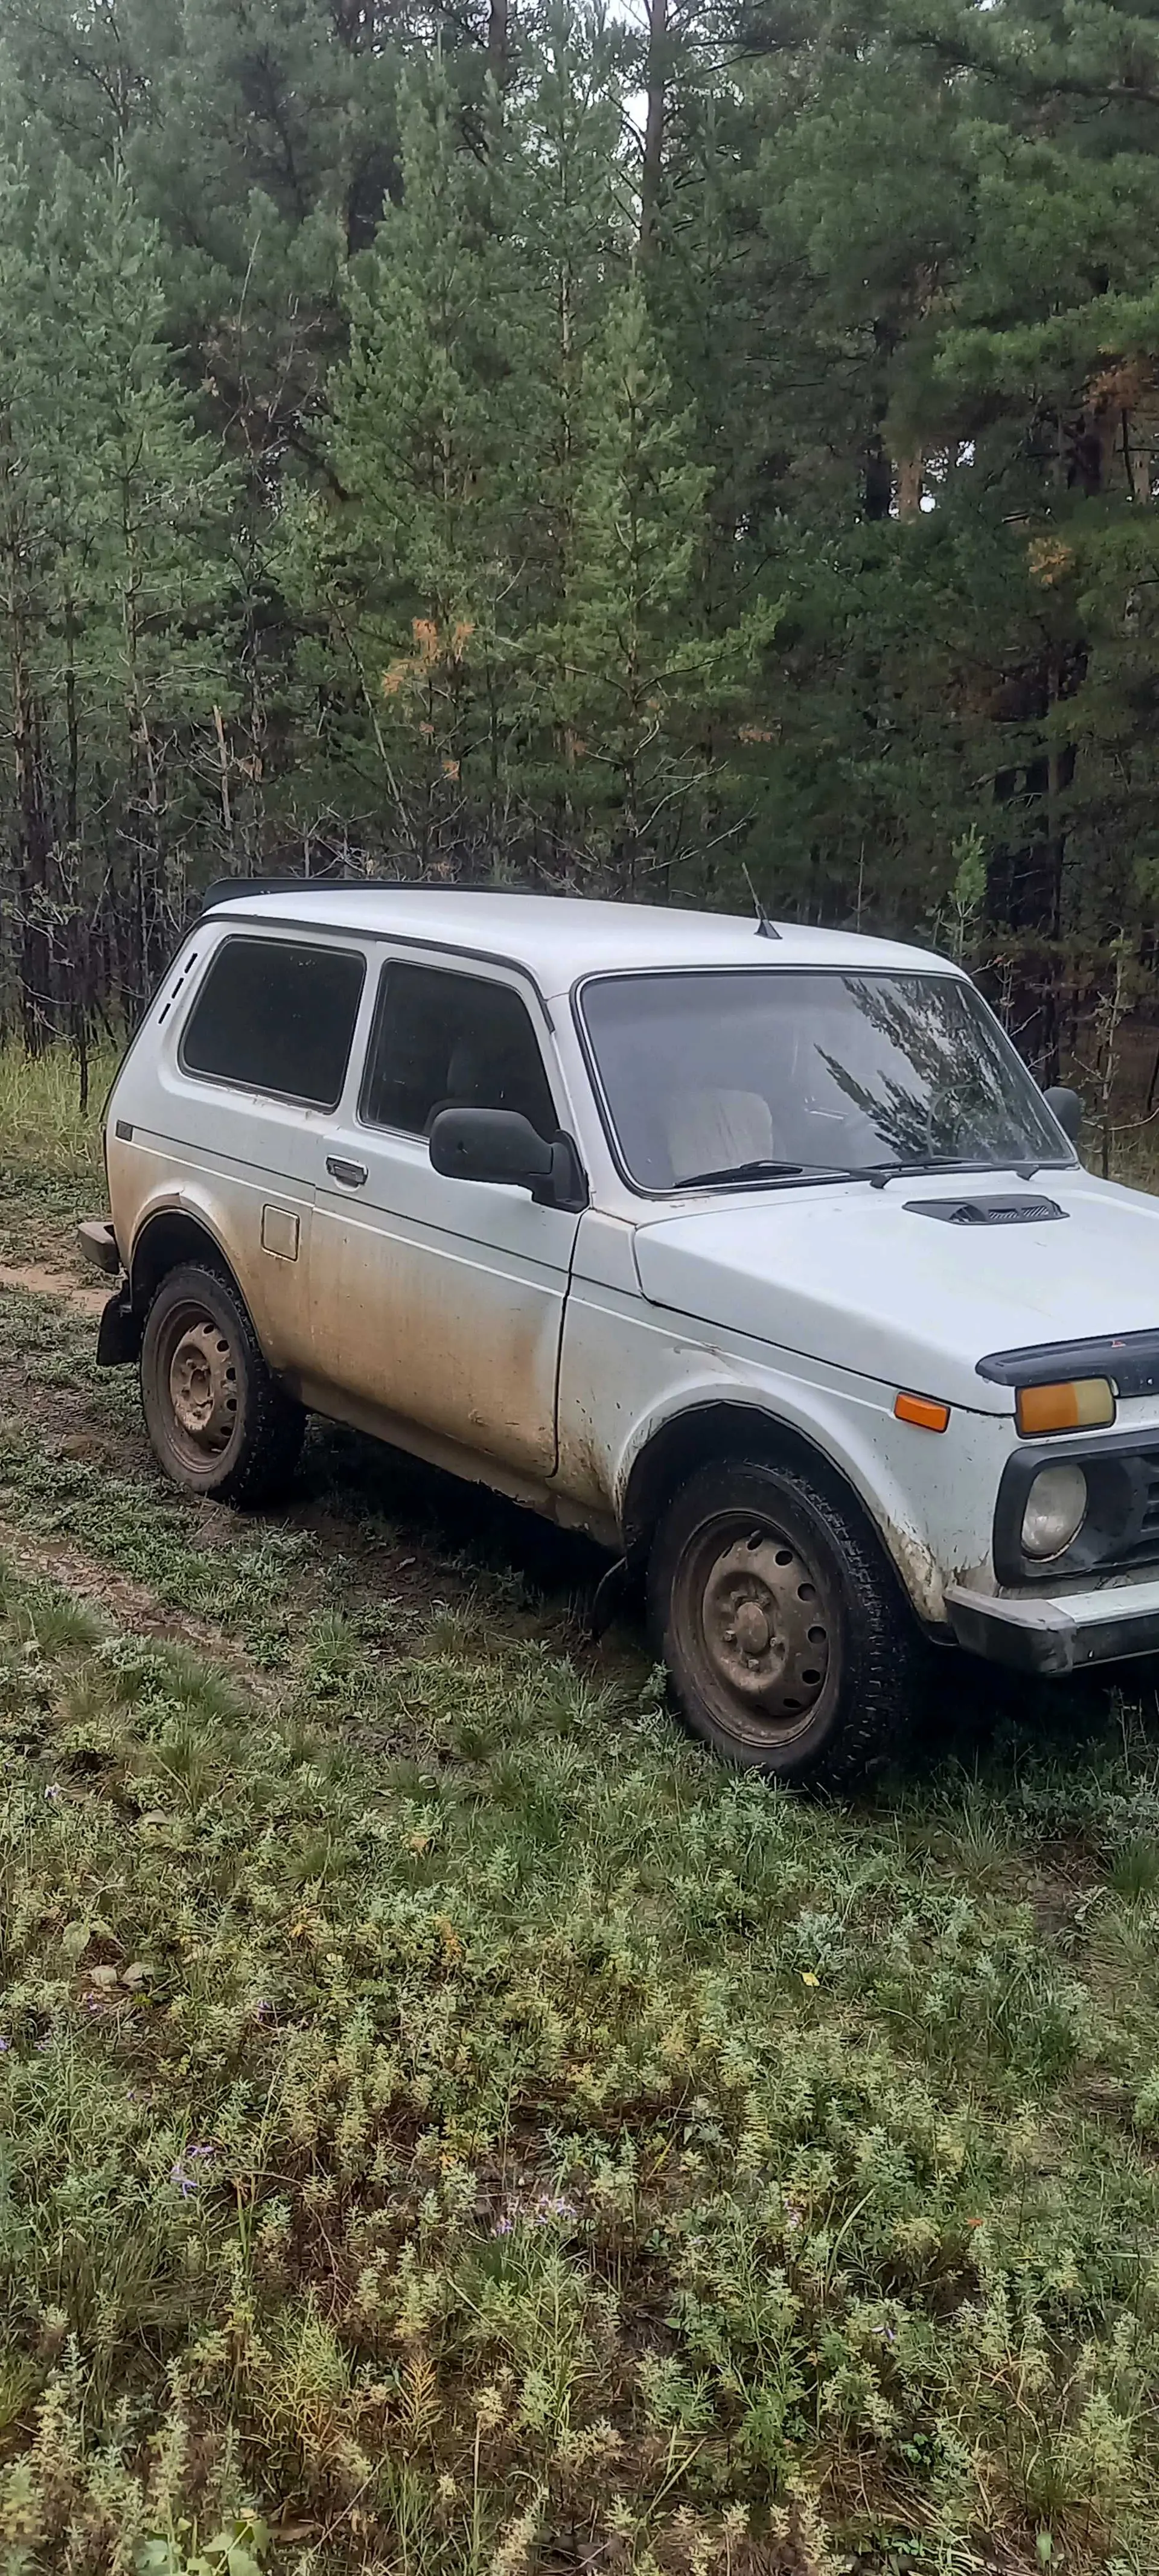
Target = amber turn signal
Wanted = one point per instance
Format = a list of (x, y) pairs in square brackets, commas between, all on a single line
[(1079, 1404), (924, 1410)]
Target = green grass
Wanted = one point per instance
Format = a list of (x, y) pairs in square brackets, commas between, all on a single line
[(51, 1157), (44, 1133), (533, 2120), (447, 2125)]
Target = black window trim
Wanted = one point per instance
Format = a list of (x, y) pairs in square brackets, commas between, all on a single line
[(257, 936), (795, 1180), (256, 925), (410, 940), (470, 959)]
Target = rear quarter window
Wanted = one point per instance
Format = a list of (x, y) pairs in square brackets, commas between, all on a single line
[(277, 1017)]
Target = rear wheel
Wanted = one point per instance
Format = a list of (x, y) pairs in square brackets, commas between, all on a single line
[(782, 1626), (218, 1420)]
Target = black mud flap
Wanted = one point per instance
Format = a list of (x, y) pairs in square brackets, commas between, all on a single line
[(119, 1332), (611, 1592)]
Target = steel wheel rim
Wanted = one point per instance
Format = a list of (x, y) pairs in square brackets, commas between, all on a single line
[(756, 1622), (200, 1386)]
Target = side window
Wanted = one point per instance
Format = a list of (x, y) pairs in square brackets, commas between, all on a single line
[(451, 1042), (277, 1018)]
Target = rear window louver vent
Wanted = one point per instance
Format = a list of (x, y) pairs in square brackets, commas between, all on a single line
[(987, 1211)]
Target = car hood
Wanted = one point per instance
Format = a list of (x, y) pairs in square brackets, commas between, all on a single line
[(862, 1278)]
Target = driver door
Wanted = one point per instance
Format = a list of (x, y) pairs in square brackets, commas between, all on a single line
[(440, 1301)]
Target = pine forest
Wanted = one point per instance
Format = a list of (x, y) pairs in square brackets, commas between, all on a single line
[(703, 455)]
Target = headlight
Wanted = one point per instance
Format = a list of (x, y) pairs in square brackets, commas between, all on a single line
[(1056, 1508)]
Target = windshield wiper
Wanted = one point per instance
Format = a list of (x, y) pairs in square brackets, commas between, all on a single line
[(761, 1170), (877, 1174), (766, 1169)]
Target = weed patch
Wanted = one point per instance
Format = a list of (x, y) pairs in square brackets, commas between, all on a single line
[(554, 2127), (450, 2128)]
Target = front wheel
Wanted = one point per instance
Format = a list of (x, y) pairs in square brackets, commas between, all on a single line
[(788, 1644), (219, 1422)]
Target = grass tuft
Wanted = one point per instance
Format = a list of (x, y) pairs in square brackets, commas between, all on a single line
[(1134, 1871)]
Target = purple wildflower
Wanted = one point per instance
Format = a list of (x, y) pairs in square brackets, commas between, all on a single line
[(187, 2183), (546, 2206)]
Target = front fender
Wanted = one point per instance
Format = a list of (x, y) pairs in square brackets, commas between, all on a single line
[(929, 1496)]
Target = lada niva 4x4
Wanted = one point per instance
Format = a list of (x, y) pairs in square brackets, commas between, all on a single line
[(756, 1253)]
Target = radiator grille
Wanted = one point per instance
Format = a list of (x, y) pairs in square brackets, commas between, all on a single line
[(1143, 1545)]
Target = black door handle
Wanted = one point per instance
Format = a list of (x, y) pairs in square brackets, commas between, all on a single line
[(351, 1175)]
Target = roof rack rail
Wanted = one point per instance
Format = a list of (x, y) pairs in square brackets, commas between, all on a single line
[(234, 889)]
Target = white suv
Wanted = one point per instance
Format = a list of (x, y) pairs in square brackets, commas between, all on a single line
[(756, 1253)]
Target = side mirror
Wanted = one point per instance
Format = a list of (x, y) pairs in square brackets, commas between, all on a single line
[(1067, 1107), (501, 1145)]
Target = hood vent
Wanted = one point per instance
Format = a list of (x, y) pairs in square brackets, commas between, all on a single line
[(987, 1211)]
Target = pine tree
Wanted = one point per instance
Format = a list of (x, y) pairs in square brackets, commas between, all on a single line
[(638, 678), (35, 523), (418, 571), (578, 222), (153, 660), (1052, 347), (113, 541)]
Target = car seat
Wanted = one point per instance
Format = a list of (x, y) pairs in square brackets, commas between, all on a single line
[(712, 1129)]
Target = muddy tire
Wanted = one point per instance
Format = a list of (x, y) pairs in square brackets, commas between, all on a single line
[(219, 1422), (789, 1646)]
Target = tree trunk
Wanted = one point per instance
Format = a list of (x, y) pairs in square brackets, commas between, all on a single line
[(33, 859), (877, 464), (877, 483), (498, 41), (910, 470), (655, 75)]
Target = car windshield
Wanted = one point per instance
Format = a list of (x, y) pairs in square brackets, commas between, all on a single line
[(725, 1075)]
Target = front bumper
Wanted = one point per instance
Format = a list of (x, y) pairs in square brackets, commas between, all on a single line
[(99, 1244), (1103, 1626)]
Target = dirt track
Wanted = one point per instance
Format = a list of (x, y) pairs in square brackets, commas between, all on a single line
[(44, 1281)]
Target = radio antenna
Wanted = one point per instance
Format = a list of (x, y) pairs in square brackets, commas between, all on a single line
[(766, 929)]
